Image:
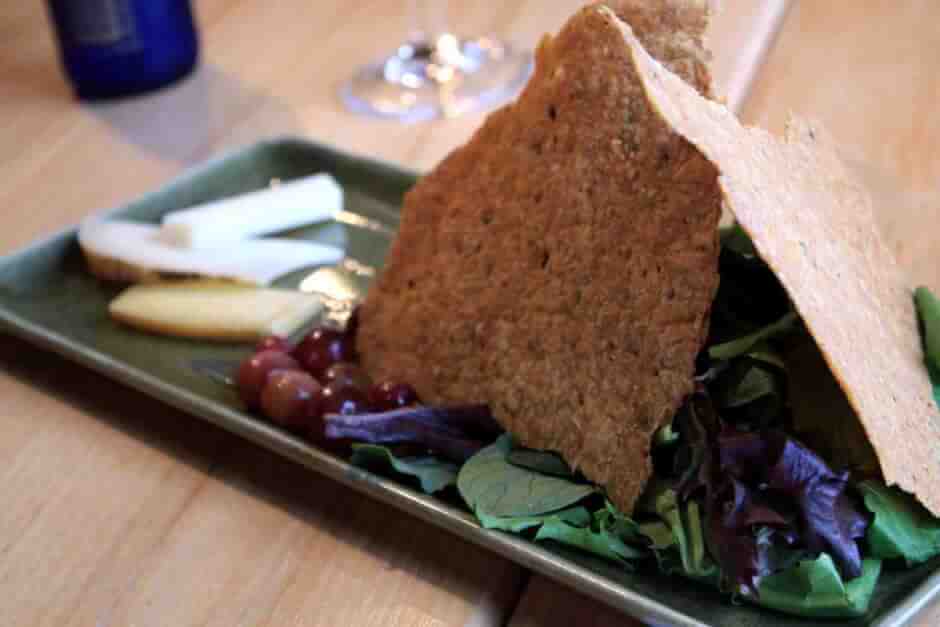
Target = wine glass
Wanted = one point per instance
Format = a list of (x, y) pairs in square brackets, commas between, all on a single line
[(436, 73)]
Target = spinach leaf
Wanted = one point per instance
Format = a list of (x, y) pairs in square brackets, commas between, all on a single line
[(815, 588), (492, 486), (743, 345), (544, 462), (511, 490), (928, 310), (577, 516), (901, 528), (433, 474)]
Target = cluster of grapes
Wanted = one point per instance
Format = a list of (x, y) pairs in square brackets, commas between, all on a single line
[(296, 387)]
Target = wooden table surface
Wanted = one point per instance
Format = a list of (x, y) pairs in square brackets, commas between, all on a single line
[(118, 510)]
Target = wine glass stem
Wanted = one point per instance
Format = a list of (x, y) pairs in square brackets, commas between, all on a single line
[(428, 20)]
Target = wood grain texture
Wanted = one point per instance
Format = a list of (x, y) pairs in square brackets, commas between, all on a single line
[(120, 511), (871, 73)]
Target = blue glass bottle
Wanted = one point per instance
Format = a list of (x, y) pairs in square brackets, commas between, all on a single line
[(113, 48)]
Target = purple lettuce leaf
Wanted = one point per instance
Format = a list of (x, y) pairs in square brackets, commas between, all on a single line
[(744, 455), (831, 521), (455, 433), (796, 479), (745, 535)]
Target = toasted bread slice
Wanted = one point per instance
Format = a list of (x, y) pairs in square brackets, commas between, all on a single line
[(561, 265), (814, 225)]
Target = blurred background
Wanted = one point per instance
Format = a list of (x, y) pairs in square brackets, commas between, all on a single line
[(868, 70)]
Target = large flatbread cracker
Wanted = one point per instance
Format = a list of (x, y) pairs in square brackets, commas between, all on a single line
[(560, 266), (814, 226)]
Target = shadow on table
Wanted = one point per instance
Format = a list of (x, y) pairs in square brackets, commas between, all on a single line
[(400, 542), (183, 121)]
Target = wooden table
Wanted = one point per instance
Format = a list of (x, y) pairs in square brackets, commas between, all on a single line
[(120, 511)]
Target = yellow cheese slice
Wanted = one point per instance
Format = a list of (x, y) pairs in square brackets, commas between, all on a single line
[(214, 310)]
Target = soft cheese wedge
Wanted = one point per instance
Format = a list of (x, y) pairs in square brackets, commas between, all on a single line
[(214, 310), (136, 253), (289, 205)]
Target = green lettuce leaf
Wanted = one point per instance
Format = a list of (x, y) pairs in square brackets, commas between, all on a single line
[(604, 538), (814, 588), (750, 389), (806, 587), (578, 516), (492, 486), (679, 539), (604, 534), (928, 310), (433, 474), (928, 307), (625, 527), (764, 354), (743, 345), (659, 534), (901, 528)]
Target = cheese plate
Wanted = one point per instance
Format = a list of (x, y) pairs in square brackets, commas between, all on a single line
[(48, 297)]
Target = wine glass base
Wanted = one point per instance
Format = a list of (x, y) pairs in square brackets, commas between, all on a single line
[(441, 79)]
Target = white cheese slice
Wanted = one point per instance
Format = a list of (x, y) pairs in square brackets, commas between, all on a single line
[(135, 252), (214, 310), (286, 206)]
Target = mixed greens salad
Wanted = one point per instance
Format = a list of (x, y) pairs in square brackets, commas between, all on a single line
[(738, 501)]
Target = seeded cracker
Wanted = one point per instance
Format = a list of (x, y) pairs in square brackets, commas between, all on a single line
[(561, 265), (813, 224)]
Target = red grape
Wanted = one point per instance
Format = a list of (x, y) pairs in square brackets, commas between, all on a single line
[(322, 348), (343, 399), (254, 371), (290, 398), (389, 395), (345, 373), (273, 343)]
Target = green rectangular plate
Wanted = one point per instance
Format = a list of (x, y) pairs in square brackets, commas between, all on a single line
[(47, 297)]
